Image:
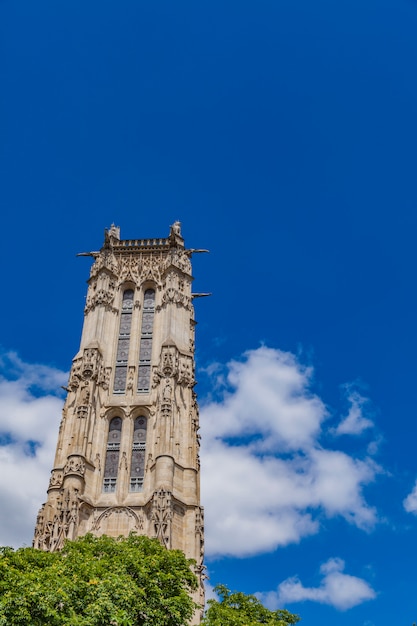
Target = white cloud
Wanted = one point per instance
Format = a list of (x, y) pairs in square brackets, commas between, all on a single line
[(30, 412), (355, 421), (266, 479), (270, 394), (337, 589), (410, 502)]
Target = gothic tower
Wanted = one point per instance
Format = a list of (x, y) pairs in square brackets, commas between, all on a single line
[(127, 453)]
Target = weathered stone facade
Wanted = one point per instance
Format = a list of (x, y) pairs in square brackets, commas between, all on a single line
[(127, 457)]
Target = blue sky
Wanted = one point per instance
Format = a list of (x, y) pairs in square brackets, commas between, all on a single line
[(283, 135)]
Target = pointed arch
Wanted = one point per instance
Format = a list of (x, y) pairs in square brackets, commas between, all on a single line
[(111, 466), (123, 342), (145, 348), (137, 465)]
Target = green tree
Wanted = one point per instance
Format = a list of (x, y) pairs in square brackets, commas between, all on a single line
[(96, 581), (239, 609)]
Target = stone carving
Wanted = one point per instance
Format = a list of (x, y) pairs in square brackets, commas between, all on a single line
[(168, 361), (130, 379), (123, 462), (84, 396), (199, 568), (39, 538), (179, 259), (129, 270), (91, 362), (50, 534), (84, 369), (175, 229), (172, 295), (137, 518), (161, 516), (156, 377), (84, 374), (82, 412), (104, 378), (105, 260), (75, 465), (186, 371), (75, 375), (151, 269), (195, 424), (167, 391), (171, 379), (113, 232), (149, 462), (168, 364), (175, 292), (192, 335), (199, 530), (55, 481), (101, 297)]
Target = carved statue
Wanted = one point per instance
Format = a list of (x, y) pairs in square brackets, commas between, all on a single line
[(176, 228), (167, 391), (84, 395)]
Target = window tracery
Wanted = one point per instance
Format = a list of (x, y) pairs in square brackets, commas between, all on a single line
[(123, 342), (137, 466), (145, 348), (111, 465)]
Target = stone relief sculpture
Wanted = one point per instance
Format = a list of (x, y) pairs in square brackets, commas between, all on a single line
[(161, 516)]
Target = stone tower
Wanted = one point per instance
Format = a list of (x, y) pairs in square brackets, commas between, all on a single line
[(127, 456)]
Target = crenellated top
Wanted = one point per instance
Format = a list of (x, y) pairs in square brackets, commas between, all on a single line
[(174, 240), (149, 244), (139, 259)]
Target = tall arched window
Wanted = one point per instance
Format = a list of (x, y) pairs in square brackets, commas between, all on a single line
[(123, 342), (137, 467), (111, 465), (145, 349)]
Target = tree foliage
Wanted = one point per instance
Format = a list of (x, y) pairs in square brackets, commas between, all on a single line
[(96, 581), (239, 609)]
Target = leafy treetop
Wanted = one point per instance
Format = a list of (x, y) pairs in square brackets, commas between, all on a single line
[(97, 581), (239, 609)]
